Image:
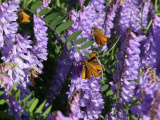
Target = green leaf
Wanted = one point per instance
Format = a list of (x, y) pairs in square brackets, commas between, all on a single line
[(36, 6), (2, 102), (50, 17), (39, 109), (74, 35), (57, 21), (13, 87), (44, 11), (63, 39), (47, 111), (109, 93), (63, 26), (25, 3), (104, 87), (1, 92), (25, 99), (87, 54), (86, 45), (5, 115), (77, 48), (69, 45), (29, 1), (29, 103), (79, 41), (16, 94), (33, 106)]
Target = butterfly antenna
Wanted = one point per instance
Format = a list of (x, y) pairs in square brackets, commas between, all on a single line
[(40, 78)]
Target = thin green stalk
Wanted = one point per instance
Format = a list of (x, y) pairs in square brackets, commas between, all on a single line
[(119, 81), (111, 48), (148, 26), (0, 2), (155, 6)]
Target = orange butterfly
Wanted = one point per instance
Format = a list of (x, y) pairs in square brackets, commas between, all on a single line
[(23, 17), (99, 37), (32, 72), (92, 67)]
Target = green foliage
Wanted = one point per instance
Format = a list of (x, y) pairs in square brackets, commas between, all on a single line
[(74, 35), (28, 106), (37, 5)]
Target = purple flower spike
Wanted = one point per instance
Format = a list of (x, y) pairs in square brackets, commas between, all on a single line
[(145, 11), (129, 18), (152, 46), (111, 13), (62, 71), (90, 98), (57, 116), (148, 93), (8, 25)]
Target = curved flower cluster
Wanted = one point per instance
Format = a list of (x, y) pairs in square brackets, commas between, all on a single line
[(145, 11), (84, 20), (129, 63), (111, 13), (7, 83), (152, 46), (61, 73), (91, 99), (8, 24), (149, 97), (129, 18)]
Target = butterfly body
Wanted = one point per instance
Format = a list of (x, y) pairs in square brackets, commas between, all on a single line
[(23, 17), (92, 67), (32, 72), (100, 39)]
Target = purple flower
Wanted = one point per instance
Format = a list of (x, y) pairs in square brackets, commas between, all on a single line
[(145, 11), (84, 20), (8, 25), (62, 71), (60, 116), (111, 13), (90, 99), (148, 95), (152, 46), (129, 18)]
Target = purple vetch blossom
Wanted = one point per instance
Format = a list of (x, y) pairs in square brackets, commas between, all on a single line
[(61, 73), (14, 107), (99, 5), (90, 99), (58, 116), (129, 18), (74, 106), (84, 20), (8, 26), (145, 11), (129, 63), (121, 114), (152, 46), (111, 13), (148, 95)]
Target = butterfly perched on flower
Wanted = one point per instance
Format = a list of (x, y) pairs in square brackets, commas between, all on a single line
[(32, 72), (92, 67), (23, 17), (100, 39)]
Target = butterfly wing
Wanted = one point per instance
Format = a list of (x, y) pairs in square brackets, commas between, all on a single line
[(97, 65), (93, 70), (99, 40), (32, 79), (24, 18), (85, 73)]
